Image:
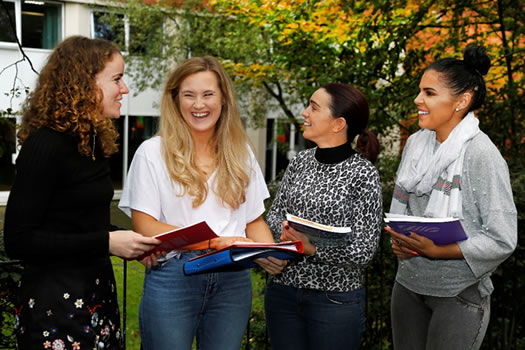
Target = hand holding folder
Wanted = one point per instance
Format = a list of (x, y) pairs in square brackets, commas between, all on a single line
[(440, 230), (181, 237), (241, 255)]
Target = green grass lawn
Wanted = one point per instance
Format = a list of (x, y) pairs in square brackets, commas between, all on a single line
[(135, 277)]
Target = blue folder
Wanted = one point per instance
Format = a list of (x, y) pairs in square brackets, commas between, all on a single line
[(239, 257)]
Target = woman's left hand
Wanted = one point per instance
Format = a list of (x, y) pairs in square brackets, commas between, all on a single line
[(289, 234), (272, 265)]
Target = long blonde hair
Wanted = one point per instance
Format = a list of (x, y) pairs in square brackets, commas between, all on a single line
[(229, 143)]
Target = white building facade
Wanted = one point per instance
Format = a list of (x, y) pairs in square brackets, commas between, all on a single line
[(39, 26)]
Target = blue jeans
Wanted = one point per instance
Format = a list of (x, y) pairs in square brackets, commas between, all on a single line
[(213, 307), (422, 322), (303, 319)]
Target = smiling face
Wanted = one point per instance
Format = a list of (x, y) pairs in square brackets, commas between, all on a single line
[(200, 102), (109, 81), (319, 124), (436, 105)]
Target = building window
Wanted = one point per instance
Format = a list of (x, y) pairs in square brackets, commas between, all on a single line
[(7, 27), (283, 141), (139, 129), (41, 23), (130, 38), (7, 150), (110, 27)]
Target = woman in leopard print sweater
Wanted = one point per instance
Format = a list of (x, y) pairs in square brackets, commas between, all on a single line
[(317, 302)]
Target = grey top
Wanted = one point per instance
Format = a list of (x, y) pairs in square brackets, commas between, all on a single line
[(489, 219)]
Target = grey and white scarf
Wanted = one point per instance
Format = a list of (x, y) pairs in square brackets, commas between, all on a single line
[(427, 170)]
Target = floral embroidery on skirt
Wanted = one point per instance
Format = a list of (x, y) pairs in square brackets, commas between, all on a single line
[(70, 310)]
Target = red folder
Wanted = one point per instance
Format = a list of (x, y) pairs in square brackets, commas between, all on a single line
[(181, 237)]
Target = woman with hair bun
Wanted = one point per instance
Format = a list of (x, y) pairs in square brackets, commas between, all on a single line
[(317, 301), (450, 168)]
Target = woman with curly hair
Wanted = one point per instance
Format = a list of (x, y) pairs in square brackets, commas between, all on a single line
[(198, 167), (57, 217)]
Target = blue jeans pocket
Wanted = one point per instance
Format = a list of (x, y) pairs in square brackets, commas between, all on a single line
[(180, 256), (160, 265), (344, 298)]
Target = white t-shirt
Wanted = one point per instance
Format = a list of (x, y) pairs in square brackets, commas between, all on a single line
[(149, 189)]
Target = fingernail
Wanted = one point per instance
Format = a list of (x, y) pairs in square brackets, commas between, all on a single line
[(286, 227), (414, 253)]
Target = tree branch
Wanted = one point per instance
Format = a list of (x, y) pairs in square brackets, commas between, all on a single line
[(13, 28), (282, 103)]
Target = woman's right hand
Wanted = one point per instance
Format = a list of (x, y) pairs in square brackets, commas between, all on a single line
[(400, 245), (290, 234), (129, 244)]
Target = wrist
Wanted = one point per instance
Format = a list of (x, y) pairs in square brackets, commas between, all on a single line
[(449, 251), (110, 246), (312, 249)]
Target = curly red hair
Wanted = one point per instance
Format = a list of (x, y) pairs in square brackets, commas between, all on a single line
[(67, 99)]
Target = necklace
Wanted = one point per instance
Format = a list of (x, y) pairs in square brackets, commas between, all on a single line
[(94, 142)]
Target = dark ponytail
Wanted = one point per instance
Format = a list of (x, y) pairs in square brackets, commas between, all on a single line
[(368, 143), (466, 75)]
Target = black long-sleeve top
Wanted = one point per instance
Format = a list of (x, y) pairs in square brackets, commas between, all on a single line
[(58, 208)]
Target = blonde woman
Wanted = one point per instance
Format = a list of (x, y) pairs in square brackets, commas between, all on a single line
[(198, 167)]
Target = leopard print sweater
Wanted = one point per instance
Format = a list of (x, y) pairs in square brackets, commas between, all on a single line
[(344, 194)]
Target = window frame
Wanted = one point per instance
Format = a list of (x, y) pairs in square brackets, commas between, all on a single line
[(127, 29), (18, 23), (105, 11)]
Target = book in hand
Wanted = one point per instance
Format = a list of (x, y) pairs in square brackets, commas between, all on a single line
[(181, 237), (241, 255), (440, 230), (319, 234)]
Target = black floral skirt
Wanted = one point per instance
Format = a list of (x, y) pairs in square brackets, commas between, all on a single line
[(68, 306)]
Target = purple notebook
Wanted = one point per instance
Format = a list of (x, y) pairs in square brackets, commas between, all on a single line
[(440, 230)]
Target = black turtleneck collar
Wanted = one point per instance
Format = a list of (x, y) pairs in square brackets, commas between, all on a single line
[(334, 155)]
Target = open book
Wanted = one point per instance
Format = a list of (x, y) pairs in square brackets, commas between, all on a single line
[(440, 230), (240, 255), (181, 237), (319, 234)]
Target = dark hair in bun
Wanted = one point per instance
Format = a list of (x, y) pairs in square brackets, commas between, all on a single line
[(467, 74)]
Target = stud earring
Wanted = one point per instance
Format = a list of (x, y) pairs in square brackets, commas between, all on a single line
[(457, 109)]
